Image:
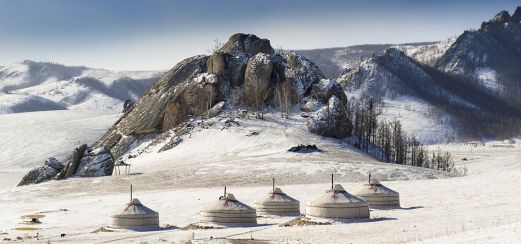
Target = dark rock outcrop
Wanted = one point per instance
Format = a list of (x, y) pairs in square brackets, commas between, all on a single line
[(42, 173), (127, 106), (517, 14), (304, 149), (239, 44), (257, 79), (95, 162), (326, 88), (75, 160), (501, 17), (331, 120)]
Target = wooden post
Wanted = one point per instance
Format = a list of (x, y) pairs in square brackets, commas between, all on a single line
[(224, 191), (332, 182), (273, 184), (369, 178), (130, 193)]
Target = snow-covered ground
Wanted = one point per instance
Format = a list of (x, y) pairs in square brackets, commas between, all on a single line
[(480, 207), (27, 139)]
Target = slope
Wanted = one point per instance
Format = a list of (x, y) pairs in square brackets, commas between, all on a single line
[(38, 86), (432, 104)]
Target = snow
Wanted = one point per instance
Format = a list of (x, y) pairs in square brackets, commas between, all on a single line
[(481, 207), (206, 78), (487, 76), (427, 54), (326, 84), (29, 138), (429, 124), (41, 86)]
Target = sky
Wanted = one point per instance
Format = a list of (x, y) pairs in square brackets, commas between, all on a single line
[(156, 34)]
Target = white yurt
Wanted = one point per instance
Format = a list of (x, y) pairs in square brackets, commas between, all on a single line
[(134, 215), (277, 202), (337, 203), (228, 210), (378, 195)]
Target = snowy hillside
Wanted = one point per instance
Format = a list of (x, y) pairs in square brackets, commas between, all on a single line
[(428, 53), (376, 78), (38, 86), (432, 104), (332, 61)]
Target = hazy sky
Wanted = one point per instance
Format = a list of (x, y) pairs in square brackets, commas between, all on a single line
[(156, 34)]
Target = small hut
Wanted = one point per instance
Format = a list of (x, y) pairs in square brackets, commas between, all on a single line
[(337, 203), (378, 195), (134, 215), (228, 210), (277, 202)]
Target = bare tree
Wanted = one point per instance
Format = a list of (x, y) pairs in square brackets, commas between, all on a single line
[(209, 103), (217, 44), (283, 95)]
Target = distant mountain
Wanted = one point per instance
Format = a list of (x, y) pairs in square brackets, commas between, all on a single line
[(36, 86), (491, 54), (466, 87), (332, 61)]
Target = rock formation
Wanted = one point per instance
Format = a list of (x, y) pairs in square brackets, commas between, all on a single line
[(200, 86), (330, 120), (42, 173), (199, 83)]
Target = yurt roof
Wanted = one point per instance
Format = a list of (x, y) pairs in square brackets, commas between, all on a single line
[(276, 196), (337, 196), (135, 207), (378, 189), (227, 203)]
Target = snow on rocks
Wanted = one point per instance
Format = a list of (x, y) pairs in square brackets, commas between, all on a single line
[(206, 78), (326, 88), (95, 162), (330, 120), (42, 173)]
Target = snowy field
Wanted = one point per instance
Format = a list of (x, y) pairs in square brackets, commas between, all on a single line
[(27, 139), (482, 207)]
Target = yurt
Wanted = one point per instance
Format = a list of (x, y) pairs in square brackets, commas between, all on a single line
[(378, 195), (228, 210), (337, 203), (134, 215), (277, 202)]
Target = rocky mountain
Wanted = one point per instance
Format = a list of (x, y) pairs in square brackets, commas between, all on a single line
[(491, 54), (245, 73), (332, 61), (37, 86), (452, 93)]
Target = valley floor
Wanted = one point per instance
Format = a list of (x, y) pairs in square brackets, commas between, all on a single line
[(482, 207)]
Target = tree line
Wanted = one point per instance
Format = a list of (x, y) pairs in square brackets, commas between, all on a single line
[(388, 141)]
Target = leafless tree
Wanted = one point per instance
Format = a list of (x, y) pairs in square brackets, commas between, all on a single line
[(217, 44), (283, 95)]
